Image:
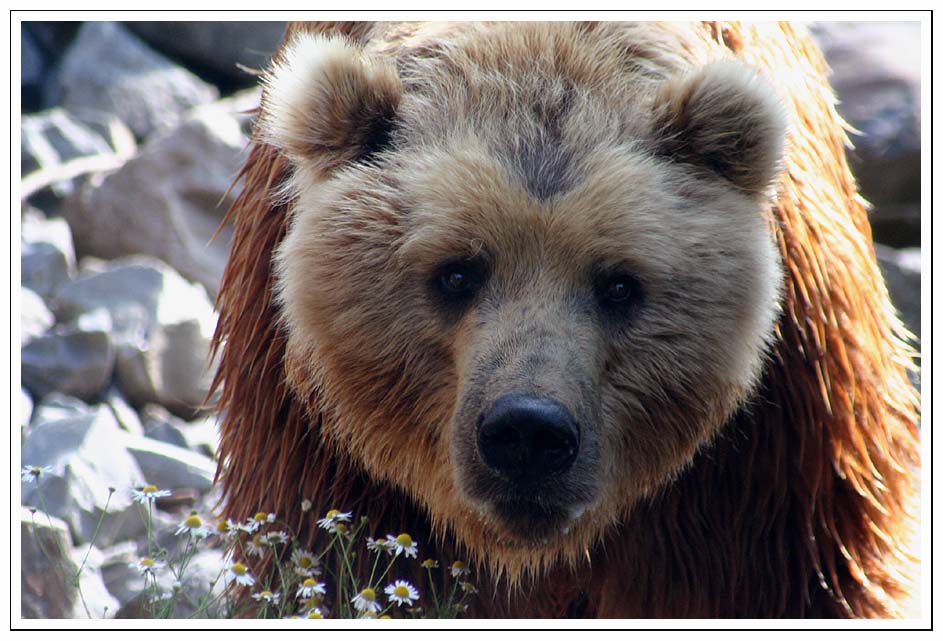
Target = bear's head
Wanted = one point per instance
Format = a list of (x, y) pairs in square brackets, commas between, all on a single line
[(523, 286)]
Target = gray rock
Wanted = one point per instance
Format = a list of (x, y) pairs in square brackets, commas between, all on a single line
[(32, 71), (160, 425), (162, 329), (56, 406), (96, 320), (35, 317), (31, 60), (26, 406), (219, 46), (169, 200), (58, 147), (171, 467), (72, 361), (140, 294), (202, 584), (243, 105), (96, 601), (91, 471), (203, 435), (876, 74), (108, 69), (52, 137), (47, 257), (125, 415), (52, 231), (901, 269), (43, 268), (47, 571), (173, 370)]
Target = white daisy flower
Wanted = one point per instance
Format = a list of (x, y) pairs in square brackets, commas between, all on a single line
[(333, 519), (259, 519), (306, 505), (31, 473), (226, 530), (459, 568), (274, 538), (148, 493), (366, 601), (430, 564), (468, 588), (256, 546), (193, 526), (235, 527), (266, 595), (402, 544), (379, 545), (402, 592), (239, 573), (147, 565), (306, 564), (309, 589)]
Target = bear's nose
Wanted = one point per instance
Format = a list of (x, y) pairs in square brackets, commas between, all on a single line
[(527, 438)]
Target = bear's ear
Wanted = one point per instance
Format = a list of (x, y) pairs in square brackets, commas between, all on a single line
[(326, 103), (723, 118)]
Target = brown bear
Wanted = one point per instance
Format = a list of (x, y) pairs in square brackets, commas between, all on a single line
[(592, 305)]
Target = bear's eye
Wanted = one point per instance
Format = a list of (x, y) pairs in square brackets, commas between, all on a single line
[(618, 290), (458, 280)]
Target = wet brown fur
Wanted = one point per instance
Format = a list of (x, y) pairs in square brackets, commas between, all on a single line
[(800, 507)]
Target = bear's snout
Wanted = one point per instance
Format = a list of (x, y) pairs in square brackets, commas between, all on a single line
[(528, 438)]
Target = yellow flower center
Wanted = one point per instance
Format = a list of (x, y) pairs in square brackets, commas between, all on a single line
[(239, 568), (266, 594), (369, 615), (304, 562), (368, 594), (222, 526), (309, 583), (332, 513), (340, 527), (146, 489), (146, 562), (257, 539), (314, 614), (193, 521), (404, 540), (386, 616), (260, 516), (401, 591), (428, 563), (313, 602), (458, 565)]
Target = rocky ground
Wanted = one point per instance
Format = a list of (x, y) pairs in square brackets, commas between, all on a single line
[(131, 137)]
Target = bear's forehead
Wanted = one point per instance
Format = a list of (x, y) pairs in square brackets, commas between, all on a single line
[(539, 97), (622, 204)]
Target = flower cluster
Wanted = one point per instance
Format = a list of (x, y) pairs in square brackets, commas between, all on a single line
[(265, 563)]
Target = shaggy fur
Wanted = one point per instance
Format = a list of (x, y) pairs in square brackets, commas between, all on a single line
[(748, 449)]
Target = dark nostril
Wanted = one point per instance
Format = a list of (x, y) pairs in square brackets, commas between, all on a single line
[(528, 438)]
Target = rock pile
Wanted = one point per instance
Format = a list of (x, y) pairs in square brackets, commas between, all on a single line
[(127, 160)]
